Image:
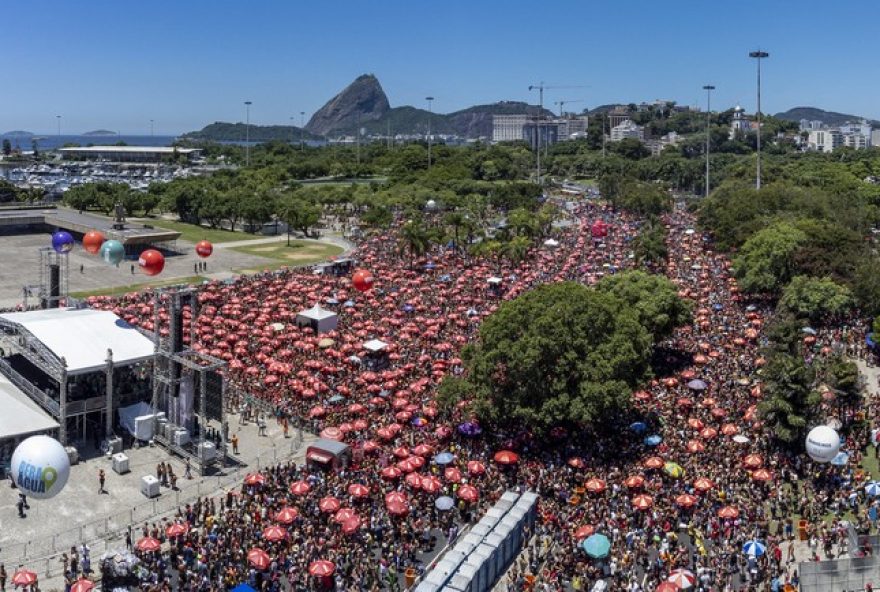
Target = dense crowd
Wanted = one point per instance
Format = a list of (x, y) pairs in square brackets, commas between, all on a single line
[(684, 485)]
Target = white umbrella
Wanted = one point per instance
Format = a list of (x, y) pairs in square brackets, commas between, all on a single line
[(683, 578)]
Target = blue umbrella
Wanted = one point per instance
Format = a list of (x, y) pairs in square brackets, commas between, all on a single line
[(808, 330), (638, 427), (348, 304), (597, 546), (873, 488), (408, 308), (445, 278), (336, 399), (841, 459), (444, 458), (717, 306), (653, 440), (697, 385), (754, 548), (430, 265), (444, 502), (332, 301), (243, 588), (470, 428)]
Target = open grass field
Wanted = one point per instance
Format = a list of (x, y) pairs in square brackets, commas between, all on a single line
[(298, 253), (117, 290), (194, 233)]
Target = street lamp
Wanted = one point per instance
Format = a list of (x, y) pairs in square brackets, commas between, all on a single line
[(58, 120), (430, 100), (759, 55), (708, 88), (302, 126), (151, 128), (247, 133)]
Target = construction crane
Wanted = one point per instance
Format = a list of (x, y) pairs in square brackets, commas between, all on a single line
[(541, 87), (562, 104)]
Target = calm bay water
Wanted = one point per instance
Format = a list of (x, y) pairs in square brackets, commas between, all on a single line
[(50, 142)]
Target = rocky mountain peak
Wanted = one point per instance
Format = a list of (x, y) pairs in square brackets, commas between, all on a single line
[(364, 97)]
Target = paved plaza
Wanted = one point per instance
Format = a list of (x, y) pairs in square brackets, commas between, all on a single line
[(81, 514)]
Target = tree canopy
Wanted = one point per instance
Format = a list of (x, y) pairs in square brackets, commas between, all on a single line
[(654, 299), (562, 353)]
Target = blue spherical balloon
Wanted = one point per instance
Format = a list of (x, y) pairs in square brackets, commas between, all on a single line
[(112, 252), (62, 242)]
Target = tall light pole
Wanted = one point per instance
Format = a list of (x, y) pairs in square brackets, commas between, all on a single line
[(58, 120), (708, 88), (247, 133), (290, 137), (759, 55), (151, 128), (540, 88), (302, 127), (430, 100)]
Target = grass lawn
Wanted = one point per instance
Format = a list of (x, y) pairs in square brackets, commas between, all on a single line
[(118, 290), (298, 253), (194, 233)]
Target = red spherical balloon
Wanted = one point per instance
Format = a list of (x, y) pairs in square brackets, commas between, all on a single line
[(204, 248), (92, 241), (152, 262), (362, 280)]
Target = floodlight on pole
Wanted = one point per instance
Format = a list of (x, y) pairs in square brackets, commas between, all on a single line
[(430, 100), (708, 88), (247, 133), (302, 126), (759, 55)]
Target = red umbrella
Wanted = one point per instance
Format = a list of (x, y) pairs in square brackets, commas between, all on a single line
[(396, 508), (351, 525), (24, 577), (452, 475), (685, 500), (506, 457), (468, 493), (634, 481), (395, 496), (175, 530), (82, 585), (694, 446), (728, 512), (576, 462), (753, 461), (274, 533), (391, 472), (254, 479), (475, 467), (359, 491), (329, 504), (703, 484), (286, 515), (259, 558), (299, 488), (595, 485), (583, 532), (431, 484), (762, 475), (321, 568), (332, 433), (344, 514), (642, 502), (653, 462), (413, 480), (148, 544)]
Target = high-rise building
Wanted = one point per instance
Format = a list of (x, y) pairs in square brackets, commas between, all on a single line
[(824, 140), (508, 128)]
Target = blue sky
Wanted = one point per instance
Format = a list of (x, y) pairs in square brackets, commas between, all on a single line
[(185, 63)]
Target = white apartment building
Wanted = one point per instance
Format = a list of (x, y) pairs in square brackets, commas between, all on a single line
[(627, 129), (508, 128), (824, 140), (875, 137), (857, 141)]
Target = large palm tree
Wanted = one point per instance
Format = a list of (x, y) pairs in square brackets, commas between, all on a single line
[(790, 401), (414, 240), (516, 249)]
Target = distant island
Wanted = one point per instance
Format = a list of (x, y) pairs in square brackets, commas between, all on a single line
[(220, 131), (101, 132), (18, 134)]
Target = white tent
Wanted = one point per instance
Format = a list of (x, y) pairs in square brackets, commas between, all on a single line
[(83, 336), (375, 345), (319, 319), (21, 416), (551, 242), (494, 281)]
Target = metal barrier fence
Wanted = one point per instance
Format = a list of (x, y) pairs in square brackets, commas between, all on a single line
[(839, 575), (41, 554)]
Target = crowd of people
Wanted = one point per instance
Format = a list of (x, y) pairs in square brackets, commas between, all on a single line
[(683, 486)]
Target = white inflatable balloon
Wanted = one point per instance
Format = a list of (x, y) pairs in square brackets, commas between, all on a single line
[(40, 467), (823, 444)]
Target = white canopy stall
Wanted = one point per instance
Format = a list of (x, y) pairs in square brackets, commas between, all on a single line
[(319, 319)]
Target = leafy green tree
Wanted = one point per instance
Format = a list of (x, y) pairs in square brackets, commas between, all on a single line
[(414, 239), (790, 403), (516, 249), (649, 246), (766, 261), (560, 353), (643, 199), (866, 285), (842, 375), (654, 299), (815, 298)]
